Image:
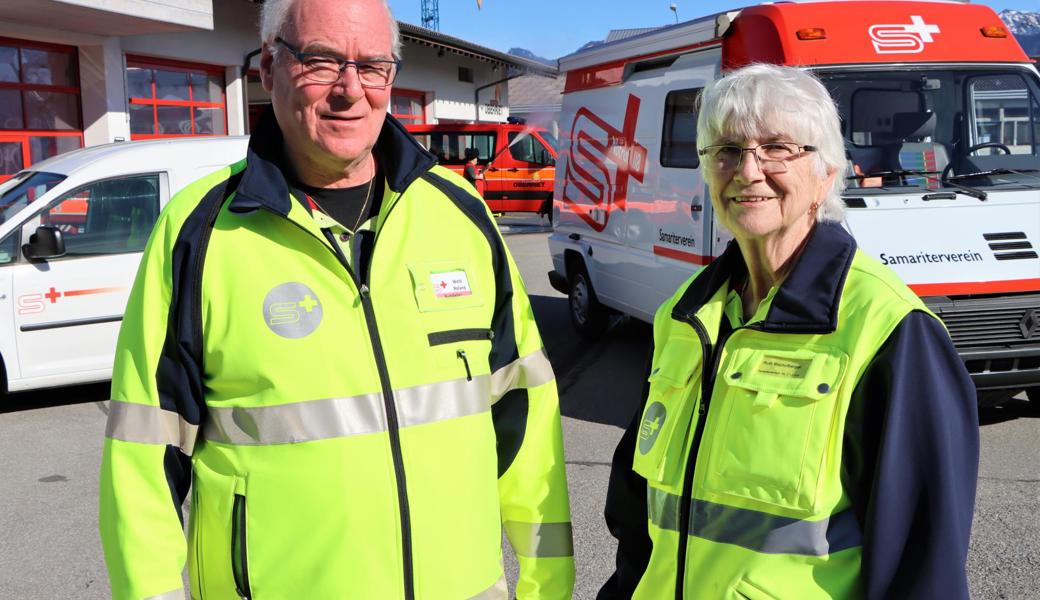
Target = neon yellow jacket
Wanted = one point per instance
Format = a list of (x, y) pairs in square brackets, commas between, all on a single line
[(359, 416), (826, 448)]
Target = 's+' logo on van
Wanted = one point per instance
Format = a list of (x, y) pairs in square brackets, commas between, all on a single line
[(600, 162), (902, 38), (292, 310)]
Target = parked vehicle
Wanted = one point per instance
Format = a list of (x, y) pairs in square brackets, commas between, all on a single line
[(72, 229), (941, 112), (519, 161)]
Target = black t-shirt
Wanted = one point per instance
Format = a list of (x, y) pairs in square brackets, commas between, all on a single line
[(345, 204)]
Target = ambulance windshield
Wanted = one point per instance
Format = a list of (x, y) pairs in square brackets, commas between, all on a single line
[(928, 127)]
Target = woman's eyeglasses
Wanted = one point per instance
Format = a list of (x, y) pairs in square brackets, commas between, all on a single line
[(772, 157)]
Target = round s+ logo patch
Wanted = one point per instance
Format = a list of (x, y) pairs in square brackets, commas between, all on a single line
[(653, 419), (292, 310)]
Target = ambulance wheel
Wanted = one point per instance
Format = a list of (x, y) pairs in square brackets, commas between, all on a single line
[(588, 316)]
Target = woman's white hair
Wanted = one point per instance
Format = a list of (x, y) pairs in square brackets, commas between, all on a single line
[(275, 15), (763, 101)]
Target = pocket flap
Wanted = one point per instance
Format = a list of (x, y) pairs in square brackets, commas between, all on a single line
[(812, 373), (665, 424)]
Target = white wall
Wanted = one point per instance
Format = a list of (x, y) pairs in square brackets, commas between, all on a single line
[(446, 96), (236, 32)]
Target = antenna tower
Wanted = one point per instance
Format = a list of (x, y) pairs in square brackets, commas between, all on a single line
[(431, 15)]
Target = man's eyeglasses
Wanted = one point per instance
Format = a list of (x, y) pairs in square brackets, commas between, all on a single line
[(772, 157), (322, 68)]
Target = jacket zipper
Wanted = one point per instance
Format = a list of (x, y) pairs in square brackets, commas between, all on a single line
[(391, 414), (438, 338), (239, 559), (709, 368)]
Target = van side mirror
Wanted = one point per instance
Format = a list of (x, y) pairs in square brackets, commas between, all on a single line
[(47, 242)]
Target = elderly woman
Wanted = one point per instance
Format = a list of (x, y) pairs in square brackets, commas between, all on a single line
[(808, 430)]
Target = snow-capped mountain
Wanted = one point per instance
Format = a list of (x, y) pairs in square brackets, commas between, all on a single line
[(1026, 28), (1020, 22)]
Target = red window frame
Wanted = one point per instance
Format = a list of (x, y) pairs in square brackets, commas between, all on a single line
[(23, 135), (184, 67), (410, 118)]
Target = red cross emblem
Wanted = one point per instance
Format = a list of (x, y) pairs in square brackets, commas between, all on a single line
[(52, 295)]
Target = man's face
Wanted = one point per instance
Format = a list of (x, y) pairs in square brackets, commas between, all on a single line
[(331, 126)]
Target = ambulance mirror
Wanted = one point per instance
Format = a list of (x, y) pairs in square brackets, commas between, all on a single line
[(47, 242)]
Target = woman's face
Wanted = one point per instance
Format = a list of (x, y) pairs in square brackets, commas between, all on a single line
[(754, 204)]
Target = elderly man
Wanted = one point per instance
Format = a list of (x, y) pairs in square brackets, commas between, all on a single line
[(331, 344)]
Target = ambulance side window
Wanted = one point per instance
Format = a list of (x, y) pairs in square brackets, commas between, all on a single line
[(679, 139), (113, 216), (1004, 112)]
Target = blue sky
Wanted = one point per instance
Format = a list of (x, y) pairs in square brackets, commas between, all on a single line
[(552, 28)]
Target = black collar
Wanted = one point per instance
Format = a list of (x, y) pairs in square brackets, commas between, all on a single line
[(807, 301), (399, 157)]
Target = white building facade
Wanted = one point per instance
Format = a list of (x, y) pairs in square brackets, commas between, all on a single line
[(77, 73)]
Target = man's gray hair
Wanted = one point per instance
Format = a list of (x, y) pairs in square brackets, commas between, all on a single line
[(275, 15), (761, 101)]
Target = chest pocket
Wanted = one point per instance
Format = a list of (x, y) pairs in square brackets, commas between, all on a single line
[(665, 428), (776, 424)]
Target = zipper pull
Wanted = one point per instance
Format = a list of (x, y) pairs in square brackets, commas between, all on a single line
[(462, 354), (363, 290)]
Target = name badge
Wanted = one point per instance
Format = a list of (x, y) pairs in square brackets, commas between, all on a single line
[(450, 284)]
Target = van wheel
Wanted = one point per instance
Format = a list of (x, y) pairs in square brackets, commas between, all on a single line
[(588, 316)]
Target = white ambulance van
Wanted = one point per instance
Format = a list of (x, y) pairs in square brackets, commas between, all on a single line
[(940, 110), (72, 229)]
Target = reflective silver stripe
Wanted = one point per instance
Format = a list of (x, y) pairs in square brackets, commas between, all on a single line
[(148, 424), (339, 417), (525, 372), (177, 594), (498, 591), (540, 540), (758, 531)]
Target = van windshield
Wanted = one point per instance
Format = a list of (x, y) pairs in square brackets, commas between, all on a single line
[(929, 127), (24, 188)]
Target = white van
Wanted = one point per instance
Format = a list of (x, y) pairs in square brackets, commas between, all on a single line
[(71, 234), (940, 109)]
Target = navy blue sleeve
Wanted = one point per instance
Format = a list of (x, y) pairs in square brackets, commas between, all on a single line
[(915, 423), (626, 514)]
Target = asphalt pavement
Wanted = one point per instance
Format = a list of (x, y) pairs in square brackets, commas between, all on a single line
[(50, 448)]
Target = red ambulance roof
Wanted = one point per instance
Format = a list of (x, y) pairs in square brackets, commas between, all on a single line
[(867, 32), (856, 32)]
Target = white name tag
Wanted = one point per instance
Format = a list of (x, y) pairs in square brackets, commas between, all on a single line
[(450, 284)]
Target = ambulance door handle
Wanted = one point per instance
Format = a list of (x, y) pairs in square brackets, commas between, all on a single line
[(575, 236), (492, 169), (512, 169), (696, 208)]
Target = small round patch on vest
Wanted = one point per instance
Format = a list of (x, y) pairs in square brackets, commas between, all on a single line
[(823, 388), (653, 419), (292, 310)]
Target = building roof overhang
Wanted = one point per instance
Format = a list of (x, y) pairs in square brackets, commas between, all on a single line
[(435, 39)]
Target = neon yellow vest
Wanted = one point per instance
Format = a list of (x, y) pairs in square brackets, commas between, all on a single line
[(767, 516)]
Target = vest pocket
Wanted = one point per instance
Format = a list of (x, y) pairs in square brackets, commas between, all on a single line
[(210, 531), (745, 590), (239, 556), (665, 425), (775, 425)]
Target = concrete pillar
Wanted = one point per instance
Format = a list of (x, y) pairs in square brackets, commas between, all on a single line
[(102, 78), (236, 101)]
